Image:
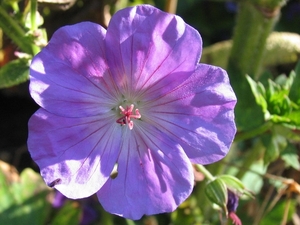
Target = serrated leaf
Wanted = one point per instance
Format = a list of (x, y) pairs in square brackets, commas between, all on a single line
[(259, 92), (275, 101), (14, 73), (285, 81), (294, 119), (216, 191)]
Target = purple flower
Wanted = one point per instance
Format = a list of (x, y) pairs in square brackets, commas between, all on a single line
[(124, 111), (232, 204)]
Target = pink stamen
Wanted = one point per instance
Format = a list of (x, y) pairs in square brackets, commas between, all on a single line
[(128, 115), (235, 219)]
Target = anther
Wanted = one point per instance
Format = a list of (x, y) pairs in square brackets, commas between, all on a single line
[(128, 115)]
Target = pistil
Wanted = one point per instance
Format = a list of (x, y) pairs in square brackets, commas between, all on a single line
[(128, 115)]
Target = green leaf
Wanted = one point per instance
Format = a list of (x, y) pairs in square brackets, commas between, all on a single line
[(293, 120), (275, 102), (274, 144), (68, 214), (252, 179), (259, 92), (39, 20), (286, 132), (24, 198), (14, 73), (8, 175), (216, 191), (286, 82), (246, 108), (277, 97), (290, 156), (295, 90), (14, 31)]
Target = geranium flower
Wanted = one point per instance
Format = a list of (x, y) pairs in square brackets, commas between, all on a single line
[(126, 111)]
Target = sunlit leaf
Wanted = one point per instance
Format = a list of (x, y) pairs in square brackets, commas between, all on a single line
[(290, 156), (252, 179), (287, 132), (8, 176), (23, 198), (259, 93), (274, 144), (14, 73), (279, 98)]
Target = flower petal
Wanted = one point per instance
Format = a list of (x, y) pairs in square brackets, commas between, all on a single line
[(75, 155), (154, 176), (148, 48), (67, 76), (198, 114)]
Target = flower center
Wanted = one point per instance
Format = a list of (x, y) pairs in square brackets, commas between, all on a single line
[(128, 114)]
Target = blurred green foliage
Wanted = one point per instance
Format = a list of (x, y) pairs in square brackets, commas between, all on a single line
[(263, 69)]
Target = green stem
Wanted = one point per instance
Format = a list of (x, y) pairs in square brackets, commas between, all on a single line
[(255, 21), (11, 28), (15, 6), (252, 29), (34, 27), (253, 132), (205, 172), (130, 222), (204, 203), (33, 9)]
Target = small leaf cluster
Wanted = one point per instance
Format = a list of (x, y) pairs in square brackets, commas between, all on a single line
[(279, 98)]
